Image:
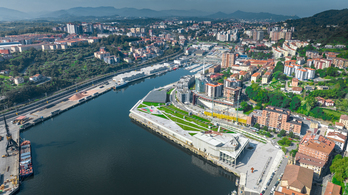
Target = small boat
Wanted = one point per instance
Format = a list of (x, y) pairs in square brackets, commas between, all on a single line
[(234, 192), (119, 85), (237, 182)]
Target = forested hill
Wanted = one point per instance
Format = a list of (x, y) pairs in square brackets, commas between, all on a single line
[(328, 27)]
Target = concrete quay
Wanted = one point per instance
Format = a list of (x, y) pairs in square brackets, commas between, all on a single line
[(172, 137), (263, 157), (9, 166)]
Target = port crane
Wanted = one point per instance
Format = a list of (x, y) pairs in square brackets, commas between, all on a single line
[(11, 144)]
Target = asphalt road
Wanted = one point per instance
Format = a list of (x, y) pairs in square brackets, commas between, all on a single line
[(276, 176)]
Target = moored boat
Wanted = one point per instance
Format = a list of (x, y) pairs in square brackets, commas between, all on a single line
[(25, 162), (119, 85)]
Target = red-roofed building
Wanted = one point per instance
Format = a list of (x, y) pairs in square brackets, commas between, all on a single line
[(332, 189), (339, 137), (212, 90), (255, 77), (215, 69), (266, 77), (295, 181), (314, 152), (294, 82), (243, 75), (37, 78), (216, 76), (5, 51), (324, 102)]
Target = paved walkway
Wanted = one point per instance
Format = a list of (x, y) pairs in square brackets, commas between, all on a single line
[(166, 123)]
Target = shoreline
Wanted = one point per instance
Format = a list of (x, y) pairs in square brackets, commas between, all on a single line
[(54, 109), (248, 182), (188, 146)]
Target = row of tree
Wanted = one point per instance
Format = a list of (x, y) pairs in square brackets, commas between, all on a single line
[(274, 98)]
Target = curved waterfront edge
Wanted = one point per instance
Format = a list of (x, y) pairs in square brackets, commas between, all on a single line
[(180, 143)]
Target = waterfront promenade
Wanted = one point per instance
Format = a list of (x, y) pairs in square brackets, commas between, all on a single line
[(263, 157)]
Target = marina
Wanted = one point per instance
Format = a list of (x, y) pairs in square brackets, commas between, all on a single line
[(192, 67), (206, 67)]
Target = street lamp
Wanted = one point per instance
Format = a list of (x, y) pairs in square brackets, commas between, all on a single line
[(15, 108)]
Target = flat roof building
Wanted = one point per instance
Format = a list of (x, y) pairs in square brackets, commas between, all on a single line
[(156, 96), (226, 147), (276, 118)]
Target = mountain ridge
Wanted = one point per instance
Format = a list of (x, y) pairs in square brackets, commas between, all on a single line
[(104, 11), (327, 27)]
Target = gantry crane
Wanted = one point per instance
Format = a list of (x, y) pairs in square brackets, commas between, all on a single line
[(11, 144)]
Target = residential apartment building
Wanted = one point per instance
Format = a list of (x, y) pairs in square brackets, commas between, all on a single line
[(111, 59), (339, 137), (340, 62), (215, 69), (213, 91), (232, 94), (314, 152), (228, 60), (299, 72), (232, 82), (344, 120), (275, 36), (288, 36), (319, 63), (312, 54), (255, 77), (101, 54), (243, 75), (294, 82), (184, 95), (266, 77), (275, 118), (74, 29), (296, 180), (258, 35)]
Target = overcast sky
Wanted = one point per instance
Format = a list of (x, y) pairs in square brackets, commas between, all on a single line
[(301, 8)]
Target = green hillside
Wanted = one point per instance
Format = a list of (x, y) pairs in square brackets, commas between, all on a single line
[(328, 27)]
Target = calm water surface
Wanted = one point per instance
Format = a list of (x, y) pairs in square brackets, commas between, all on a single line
[(96, 149)]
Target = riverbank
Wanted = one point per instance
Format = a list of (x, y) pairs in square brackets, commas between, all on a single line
[(180, 127), (159, 129), (98, 143), (11, 163)]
